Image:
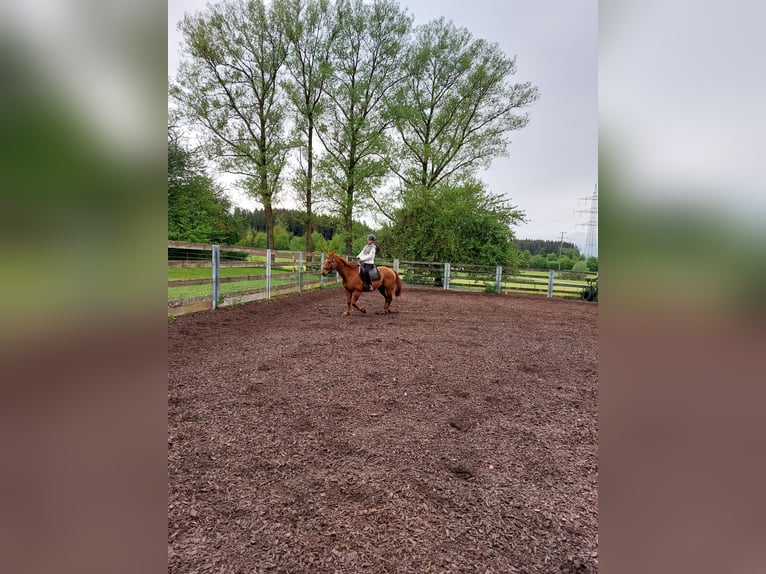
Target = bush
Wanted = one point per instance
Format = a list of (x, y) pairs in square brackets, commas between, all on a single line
[(298, 244), (580, 267)]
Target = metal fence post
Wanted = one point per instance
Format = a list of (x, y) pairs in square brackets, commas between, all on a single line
[(499, 279), (268, 274), (551, 272), (446, 275), (396, 265), (300, 271), (216, 264)]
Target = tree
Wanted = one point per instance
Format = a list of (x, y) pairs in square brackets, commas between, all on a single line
[(580, 266), (365, 66), (455, 106), (197, 208), (538, 262), (229, 87), (310, 32), (463, 223), (545, 246)]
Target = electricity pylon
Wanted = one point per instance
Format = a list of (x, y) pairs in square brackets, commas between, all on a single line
[(591, 237)]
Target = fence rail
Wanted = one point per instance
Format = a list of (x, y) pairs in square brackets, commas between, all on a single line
[(203, 276)]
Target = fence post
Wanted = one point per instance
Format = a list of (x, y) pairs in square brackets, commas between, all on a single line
[(321, 263), (300, 271), (216, 264), (446, 275), (396, 265), (550, 282), (499, 279), (268, 274)]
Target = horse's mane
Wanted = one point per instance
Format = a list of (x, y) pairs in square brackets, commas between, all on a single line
[(345, 261)]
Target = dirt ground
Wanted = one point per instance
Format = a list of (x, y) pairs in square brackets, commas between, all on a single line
[(457, 434)]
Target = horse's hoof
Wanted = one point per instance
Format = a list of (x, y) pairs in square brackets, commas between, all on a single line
[(346, 313)]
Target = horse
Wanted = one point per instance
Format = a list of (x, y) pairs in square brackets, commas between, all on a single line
[(389, 283)]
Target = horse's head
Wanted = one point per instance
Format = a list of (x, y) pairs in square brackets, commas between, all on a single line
[(330, 264)]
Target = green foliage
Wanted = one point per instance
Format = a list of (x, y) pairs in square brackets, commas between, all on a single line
[(310, 32), (544, 247), (359, 97), (297, 244), (291, 219), (461, 223), (337, 244), (453, 108), (319, 242), (282, 238), (592, 264), (566, 263), (538, 262), (252, 238), (228, 87), (581, 266), (490, 288), (366, 61), (197, 208)]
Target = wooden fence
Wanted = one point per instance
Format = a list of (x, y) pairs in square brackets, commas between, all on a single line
[(203, 276)]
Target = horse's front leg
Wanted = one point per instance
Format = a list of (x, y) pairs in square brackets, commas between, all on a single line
[(353, 299), (389, 297), (348, 302)]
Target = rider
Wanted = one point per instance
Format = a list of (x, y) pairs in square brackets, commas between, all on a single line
[(367, 262)]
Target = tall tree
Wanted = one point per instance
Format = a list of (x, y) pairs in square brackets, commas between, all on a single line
[(310, 31), (455, 107), (365, 66), (229, 86)]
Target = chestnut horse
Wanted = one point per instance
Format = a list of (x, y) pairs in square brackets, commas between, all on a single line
[(388, 285)]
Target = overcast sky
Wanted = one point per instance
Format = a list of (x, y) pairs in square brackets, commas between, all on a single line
[(552, 165)]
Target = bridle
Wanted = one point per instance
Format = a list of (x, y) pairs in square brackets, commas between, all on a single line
[(333, 264)]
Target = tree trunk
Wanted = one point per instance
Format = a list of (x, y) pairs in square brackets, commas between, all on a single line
[(269, 222), (348, 219), (309, 224)]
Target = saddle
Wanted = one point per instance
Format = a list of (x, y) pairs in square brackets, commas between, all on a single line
[(373, 272)]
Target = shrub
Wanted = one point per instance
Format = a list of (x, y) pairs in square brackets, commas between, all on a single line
[(581, 266)]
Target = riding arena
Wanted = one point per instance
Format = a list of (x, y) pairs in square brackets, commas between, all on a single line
[(457, 432)]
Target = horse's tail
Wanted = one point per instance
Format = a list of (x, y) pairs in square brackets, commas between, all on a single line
[(398, 285)]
